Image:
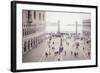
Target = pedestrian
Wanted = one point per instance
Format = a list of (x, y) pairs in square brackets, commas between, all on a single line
[(49, 52), (53, 48), (71, 52), (83, 48), (65, 53), (55, 53), (58, 59), (75, 54), (87, 42), (46, 54), (49, 45), (88, 53), (53, 42), (77, 45)]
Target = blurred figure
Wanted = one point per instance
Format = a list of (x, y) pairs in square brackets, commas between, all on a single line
[(88, 53), (75, 54), (58, 59), (46, 54), (53, 42), (56, 52), (53, 48), (65, 53), (71, 52)]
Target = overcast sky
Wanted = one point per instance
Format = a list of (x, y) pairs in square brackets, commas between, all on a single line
[(65, 19)]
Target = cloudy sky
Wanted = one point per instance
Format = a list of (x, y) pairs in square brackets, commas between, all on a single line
[(65, 18)]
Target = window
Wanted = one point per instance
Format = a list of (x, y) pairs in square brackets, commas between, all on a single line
[(43, 16), (34, 14), (25, 46), (23, 32), (39, 16), (34, 40), (29, 44), (29, 16)]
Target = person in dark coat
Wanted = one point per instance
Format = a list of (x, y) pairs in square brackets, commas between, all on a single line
[(46, 54), (58, 59)]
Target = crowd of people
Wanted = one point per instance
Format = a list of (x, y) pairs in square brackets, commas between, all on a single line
[(76, 44)]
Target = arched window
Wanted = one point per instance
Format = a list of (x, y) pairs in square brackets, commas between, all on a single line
[(34, 14), (29, 16), (36, 41), (24, 32), (29, 44), (25, 46)]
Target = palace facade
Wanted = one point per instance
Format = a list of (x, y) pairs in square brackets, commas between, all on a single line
[(33, 29)]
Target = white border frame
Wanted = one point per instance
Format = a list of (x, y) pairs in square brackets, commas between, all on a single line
[(38, 65)]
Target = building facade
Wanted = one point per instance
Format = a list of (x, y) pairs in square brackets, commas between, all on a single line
[(87, 27), (33, 29)]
